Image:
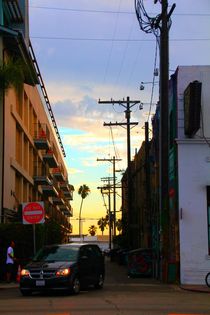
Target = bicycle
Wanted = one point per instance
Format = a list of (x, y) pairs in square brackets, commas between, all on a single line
[(207, 279)]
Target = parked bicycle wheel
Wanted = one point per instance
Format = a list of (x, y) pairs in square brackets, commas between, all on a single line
[(207, 279)]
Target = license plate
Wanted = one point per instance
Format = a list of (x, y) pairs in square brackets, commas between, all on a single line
[(40, 283)]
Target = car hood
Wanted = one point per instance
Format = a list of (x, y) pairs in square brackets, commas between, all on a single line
[(50, 264)]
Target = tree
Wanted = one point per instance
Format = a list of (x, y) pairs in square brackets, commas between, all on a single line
[(83, 191), (102, 223), (92, 230), (12, 74), (119, 225)]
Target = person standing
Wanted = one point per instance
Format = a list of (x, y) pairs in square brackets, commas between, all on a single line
[(10, 262)]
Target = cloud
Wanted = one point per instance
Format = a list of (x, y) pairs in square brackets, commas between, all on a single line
[(73, 171)]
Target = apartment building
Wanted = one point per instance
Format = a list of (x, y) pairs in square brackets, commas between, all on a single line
[(32, 164)]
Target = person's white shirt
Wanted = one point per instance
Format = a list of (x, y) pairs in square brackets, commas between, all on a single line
[(10, 252)]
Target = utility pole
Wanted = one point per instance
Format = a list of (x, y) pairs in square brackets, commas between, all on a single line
[(127, 104), (148, 185), (164, 139), (160, 26), (113, 160), (107, 190)]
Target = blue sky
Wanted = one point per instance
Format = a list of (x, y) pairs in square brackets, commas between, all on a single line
[(88, 50)]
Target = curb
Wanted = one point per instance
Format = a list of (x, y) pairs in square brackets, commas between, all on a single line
[(200, 289), (8, 286)]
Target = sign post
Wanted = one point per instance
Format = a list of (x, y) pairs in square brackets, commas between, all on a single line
[(33, 213)]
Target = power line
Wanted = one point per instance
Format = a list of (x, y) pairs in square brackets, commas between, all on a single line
[(111, 49), (110, 11), (153, 82), (124, 53), (116, 39)]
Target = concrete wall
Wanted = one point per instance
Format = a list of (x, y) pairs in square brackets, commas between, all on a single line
[(193, 177)]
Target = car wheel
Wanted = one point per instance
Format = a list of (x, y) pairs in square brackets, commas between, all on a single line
[(100, 282), (75, 289), (26, 292)]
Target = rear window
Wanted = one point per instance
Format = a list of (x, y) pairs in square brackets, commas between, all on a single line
[(57, 253)]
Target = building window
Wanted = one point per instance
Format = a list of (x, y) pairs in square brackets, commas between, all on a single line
[(208, 217)]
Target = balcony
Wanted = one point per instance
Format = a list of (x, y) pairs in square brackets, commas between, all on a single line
[(41, 137), (42, 143), (58, 201), (50, 159), (58, 175), (68, 195), (42, 180), (67, 210), (13, 11), (67, 190), (49, 191)]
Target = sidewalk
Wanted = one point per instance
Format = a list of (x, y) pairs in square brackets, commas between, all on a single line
[(11, 285)]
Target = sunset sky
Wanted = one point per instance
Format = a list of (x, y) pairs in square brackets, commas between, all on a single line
[(91, 50)]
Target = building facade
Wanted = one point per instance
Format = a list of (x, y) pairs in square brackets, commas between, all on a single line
[(192, 118), (32, 155), (188, 220)]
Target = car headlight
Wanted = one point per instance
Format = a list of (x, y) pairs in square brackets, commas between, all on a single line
[(62, 272), (25, 273)]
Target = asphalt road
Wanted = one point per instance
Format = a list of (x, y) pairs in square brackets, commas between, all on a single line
[(120, 296)]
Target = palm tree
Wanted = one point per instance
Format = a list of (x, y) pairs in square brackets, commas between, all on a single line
[(102, 223), (83, 191), (119, 225), (92, 230)]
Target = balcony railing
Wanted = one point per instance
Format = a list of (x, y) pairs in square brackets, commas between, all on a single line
[(41, 137), (13, 11), (67, 210), (67, 190), (49, 191), (58, 201), (42, 180), (68, 195), (58, 174), (50, 158)]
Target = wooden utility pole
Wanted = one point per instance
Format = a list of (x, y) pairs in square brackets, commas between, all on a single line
[(127, 104), (161, 25), (113, 160), (164, 136), (107, 190), (148, 184)]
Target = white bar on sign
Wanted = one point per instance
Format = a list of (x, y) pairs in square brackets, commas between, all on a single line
[(32, 212)]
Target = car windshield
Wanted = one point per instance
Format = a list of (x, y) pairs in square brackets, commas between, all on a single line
[(57, 253)]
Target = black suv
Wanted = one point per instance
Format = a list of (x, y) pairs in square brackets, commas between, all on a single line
[(64, 267)]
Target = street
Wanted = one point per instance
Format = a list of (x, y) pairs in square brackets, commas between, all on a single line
[(120, 296)]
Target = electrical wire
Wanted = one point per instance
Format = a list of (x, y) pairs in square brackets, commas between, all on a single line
[(113, 143), (123, 58), (109, 11), (153, 82), (129, 79), (147, 24), (115, 40), (111, 49)]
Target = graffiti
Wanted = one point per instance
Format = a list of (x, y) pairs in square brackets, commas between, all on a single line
[(140, 263)]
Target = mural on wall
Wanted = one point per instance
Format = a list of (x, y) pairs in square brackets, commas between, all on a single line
[(140, 262)]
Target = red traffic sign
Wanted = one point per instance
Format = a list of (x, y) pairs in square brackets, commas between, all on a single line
[(33, 212)]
